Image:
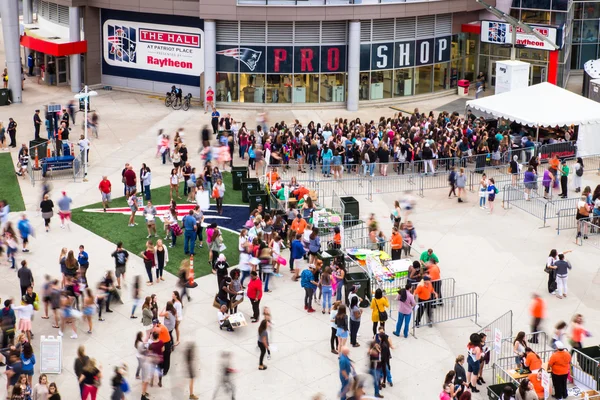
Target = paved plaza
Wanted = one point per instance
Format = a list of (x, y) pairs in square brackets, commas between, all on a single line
[(498, 256)]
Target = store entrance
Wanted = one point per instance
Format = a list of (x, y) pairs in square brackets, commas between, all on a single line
[(62, 71)]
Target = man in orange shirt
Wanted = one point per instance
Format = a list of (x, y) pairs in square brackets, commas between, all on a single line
[(559, 365), (538, 312), (424, 292), (299, 224), (536, 380), (272, 176), (433, 270), (165, 337), (396, 243)]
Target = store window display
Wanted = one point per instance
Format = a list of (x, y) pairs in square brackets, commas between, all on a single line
[(279, 88), (227, 87), (252, 88), (423, 79), (403, 82), (381, 85), (333, 88)]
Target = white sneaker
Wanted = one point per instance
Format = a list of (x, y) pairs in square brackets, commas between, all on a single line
[(60, 333), (148, 237), (74, 336)]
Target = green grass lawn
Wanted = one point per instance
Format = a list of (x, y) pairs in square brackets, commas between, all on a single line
[(9, 186), (113, 227)]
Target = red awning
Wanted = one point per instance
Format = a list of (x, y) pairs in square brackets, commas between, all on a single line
[(54, 48), (471, 28)]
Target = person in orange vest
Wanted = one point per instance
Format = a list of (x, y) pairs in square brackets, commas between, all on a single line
[(536, 380), (396, 243), (559, 365), (537, 310), (424, 292)]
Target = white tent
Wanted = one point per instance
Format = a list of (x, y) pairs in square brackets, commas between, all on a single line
[(547, 105)]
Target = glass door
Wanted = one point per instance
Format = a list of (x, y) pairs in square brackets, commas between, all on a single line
[(62, 71), (538, 74)]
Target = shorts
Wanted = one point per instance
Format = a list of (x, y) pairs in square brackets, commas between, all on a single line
[(25, 239), (64, 215), (133, 208), (105, 196), (473, 365), (28, 373), (66, 313), (89, 310), (176, 164), (529, 185), (130, 189), (341, 333), (119, 271), (150, 222)]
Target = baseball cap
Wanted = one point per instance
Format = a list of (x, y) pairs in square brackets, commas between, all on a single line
[(155, 321), (559, 345)]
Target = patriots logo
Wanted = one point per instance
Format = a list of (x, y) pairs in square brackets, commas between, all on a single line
[(122, 43), (248, 56)]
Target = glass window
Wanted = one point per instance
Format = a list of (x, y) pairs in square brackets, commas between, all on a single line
[(560, 5), (516, 3), (441, 77), (538, 4), (279, 88), (252, 88), (538, 74), (456, 72), (333, 87), (578, 11), (588, 52), (456, 47), (515, 13), (577, 31), (470, 67), (484, 48), (500, 50), (575, 57), (403, 82), (306, 88), (559, 18), (591, 10), (381, 84), (227, 87), (589, 33), (483, 67), (535, 17), (532, 54), (423, 79), (364, 86)]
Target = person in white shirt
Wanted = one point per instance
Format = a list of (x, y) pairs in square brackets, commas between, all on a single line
[(150, 214), (223, 318), (84, 146)]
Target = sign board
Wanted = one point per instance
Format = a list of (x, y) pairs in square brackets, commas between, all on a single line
[(50, 355), (498, 32), (511, 75), (406, 54), (54, 108), (497, 341)]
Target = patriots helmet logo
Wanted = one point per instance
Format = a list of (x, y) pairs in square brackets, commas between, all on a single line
[(122, 43), (248, 56)]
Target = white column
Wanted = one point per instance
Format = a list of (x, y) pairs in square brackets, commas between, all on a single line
[(210, 56), (75, 59), (9, 11), (353, 65), (27, 11)]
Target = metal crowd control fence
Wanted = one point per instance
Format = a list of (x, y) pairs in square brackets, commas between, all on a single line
[(390, 288), (585, 370), (543, 344), (560, 149), (592, 231), (502, 366), (396, 184), (446, 309), (504, 325), (57, 170)]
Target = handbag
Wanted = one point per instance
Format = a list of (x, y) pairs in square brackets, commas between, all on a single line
[(383, 316), (548, 270), (222, 247), (216, 303)]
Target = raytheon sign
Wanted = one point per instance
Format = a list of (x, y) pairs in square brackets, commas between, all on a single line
[(153, 47)]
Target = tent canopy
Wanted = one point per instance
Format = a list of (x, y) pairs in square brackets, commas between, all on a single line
[(543, 104)]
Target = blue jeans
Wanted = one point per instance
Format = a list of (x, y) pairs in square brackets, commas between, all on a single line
[(147, 192), (173, 238), (376, 378), (266, 278), (371, 168), (402, 318), (338, 292), (245, 274), (312, 161), (344, 389), (326, 291), (243, 152), (10, 253), (482, 201), (326, 166), (164, 156), (189, 241)]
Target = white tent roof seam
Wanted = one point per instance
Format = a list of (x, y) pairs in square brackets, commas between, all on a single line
[(544, 105)]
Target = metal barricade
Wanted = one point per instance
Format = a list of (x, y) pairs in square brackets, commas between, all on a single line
[(560, 149), (396, 184), (566, 220), (391, 287), (585, 370), (590, 233), (445, 309), (501, 375), (542, 345), (504, 325)]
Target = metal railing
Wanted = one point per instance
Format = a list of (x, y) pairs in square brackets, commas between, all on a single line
[(502, 367), (57, 170), (501, 375), (504, 325), (398, 183), (390, 288), (561, 150), (585, 370), (542, 345), (590, 233), (444, 310)]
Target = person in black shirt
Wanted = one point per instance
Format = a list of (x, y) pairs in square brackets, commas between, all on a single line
[(205, 136), (12, 132), (37, 122), (65, 117)]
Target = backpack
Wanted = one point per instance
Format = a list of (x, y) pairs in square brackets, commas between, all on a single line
[(579, 172), (7, 321)]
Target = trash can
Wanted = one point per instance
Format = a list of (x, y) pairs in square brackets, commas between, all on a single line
[(362, 280), (251, 184), (351, 211), (495, 391), (329, 256), (237, 174), (463, 87), (588, 366), (257, 197), (5, 96)]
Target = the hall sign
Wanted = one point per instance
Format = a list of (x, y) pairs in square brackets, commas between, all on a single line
[(498, 32), (282, 59), (405, 54)]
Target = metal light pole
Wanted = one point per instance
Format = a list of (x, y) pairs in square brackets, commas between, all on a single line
[(85, 95)]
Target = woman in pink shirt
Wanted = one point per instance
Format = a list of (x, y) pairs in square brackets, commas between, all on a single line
[(406, 303)]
